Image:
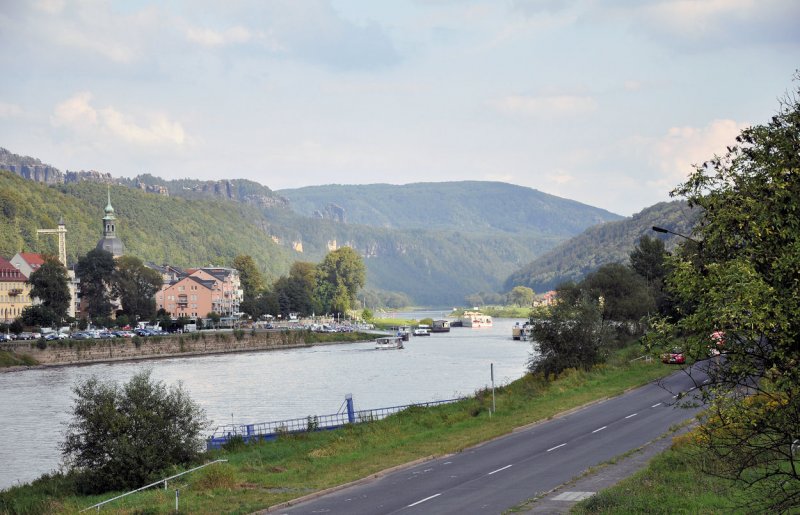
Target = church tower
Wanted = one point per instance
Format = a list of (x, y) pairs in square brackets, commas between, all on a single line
[(109, 241)]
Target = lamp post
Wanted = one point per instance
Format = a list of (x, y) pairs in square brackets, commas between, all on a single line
[(667, 231)]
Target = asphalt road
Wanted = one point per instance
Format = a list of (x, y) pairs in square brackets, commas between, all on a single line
[(497, 475)]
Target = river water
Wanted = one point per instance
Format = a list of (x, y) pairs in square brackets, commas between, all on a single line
[(263, 386)]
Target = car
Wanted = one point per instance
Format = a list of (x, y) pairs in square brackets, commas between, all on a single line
[(55, 336), (5, 338), (123, 334), (674, 357)]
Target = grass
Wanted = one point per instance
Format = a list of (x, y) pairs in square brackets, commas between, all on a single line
[(672, 483), (12, 359), (265, 474)]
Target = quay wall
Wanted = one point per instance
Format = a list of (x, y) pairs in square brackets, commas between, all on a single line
[(73, 352)]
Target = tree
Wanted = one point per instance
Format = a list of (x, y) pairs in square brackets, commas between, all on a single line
[(625, 295), (135, 285), (50, 284), (252, 282), (95, 271), (120, 437), (743, 280), (521, 296), (568, 335), (339, 277), (649, 260), (38, 315)]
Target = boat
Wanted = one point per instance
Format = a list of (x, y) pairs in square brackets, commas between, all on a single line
[(440, 326), (404, 332), (521, 332), (475, 319), (389, 342), (422, 331)]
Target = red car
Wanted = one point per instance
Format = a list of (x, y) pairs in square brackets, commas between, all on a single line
[(675, 357)]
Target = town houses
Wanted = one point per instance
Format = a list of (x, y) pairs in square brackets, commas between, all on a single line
[(190, 292)]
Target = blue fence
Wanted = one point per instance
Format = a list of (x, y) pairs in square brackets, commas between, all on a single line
[(271, 430)]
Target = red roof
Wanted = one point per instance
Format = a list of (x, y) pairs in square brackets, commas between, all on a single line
[(9, 272), (32, 259)]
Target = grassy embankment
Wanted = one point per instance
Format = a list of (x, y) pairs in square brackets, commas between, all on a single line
[(12, 359), (269, 473), (673, 482)]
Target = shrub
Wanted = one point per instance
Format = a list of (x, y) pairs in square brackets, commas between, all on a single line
[(122, 436)]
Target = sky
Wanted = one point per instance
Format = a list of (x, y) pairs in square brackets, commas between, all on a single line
[(607, 102)]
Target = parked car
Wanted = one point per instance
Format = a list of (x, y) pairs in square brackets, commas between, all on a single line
[(675, 357), (106, 334), (55, 336), (123, 334), (5, 337)]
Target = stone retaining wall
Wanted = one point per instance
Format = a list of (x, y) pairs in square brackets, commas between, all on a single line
[(70, 352)]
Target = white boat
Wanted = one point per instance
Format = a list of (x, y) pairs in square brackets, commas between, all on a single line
[(389, 342), (422, 331), (475, 319)]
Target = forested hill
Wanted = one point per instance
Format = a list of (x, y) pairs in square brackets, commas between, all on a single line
[(433, 267), (469, 206), (607, 243)]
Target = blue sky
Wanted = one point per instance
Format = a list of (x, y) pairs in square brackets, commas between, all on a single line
[(605, 102)]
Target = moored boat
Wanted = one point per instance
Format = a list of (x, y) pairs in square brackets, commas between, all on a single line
[(389, 343), (475, 319), (440, 326), (422, 331)]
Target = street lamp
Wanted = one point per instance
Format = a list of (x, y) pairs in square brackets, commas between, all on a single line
[(667, 231)]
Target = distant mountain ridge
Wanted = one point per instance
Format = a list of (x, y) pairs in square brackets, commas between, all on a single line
[(607, 243), (435, 242), (468, 206)]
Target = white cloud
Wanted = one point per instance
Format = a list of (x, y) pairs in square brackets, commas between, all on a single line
[(546, 105), (9, 110), (213, 38), (50, 6), (681, 148), (78, 115)]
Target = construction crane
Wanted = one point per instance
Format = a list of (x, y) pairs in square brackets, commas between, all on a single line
[(62, 240)]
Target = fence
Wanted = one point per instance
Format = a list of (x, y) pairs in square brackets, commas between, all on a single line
[(271, 430)]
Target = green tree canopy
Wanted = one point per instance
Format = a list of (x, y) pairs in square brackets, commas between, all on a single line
[(339, 277), (743, 280), (571, 334), (521, 296), (50, 284), (135, 285), (95, 271), (120, 437)]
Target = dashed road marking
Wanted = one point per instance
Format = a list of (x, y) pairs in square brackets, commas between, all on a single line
[(423, 500), (599, 429), (556, 447), (498, 470)]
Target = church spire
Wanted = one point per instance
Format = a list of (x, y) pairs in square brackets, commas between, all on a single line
[(109, 241)]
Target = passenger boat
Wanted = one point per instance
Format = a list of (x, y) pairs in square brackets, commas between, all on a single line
[(389, 343), (441, 326), (475, 319), (404, 332), (422, 331)]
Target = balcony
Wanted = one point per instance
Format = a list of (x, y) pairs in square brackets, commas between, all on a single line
[(15, 291)]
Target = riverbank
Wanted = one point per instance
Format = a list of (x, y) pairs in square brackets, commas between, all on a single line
[(24, 355), (267, 474)]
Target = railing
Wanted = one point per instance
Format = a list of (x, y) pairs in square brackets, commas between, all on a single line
[(98, 505), (271, 430)]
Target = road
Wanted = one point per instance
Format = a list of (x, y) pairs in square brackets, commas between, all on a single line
[(500, 474)]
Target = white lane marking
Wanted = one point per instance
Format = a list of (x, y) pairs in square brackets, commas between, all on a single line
[(692, 388), (633, 415), (707, 381), (674, 396), (423, 500), (599, 429), (498, 470), (656, 405), (556, 447)]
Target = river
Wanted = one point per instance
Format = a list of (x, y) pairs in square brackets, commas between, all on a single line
[(263, 386)]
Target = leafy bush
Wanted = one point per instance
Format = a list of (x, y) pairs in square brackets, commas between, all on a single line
[(120, 437)]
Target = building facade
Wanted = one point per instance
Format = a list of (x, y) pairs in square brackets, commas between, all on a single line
[(14, 291)]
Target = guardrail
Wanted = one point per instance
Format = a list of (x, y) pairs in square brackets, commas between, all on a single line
[(271, 430), (100, 504)]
